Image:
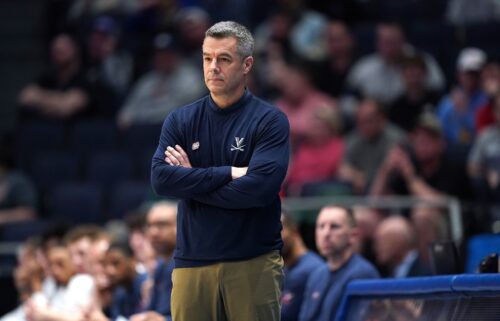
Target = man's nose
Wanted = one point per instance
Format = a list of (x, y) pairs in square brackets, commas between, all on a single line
[(213, 65)]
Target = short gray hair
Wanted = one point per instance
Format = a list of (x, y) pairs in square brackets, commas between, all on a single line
[(225, 29)]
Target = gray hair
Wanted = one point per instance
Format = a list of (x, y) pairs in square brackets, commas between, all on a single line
[(226, 29)]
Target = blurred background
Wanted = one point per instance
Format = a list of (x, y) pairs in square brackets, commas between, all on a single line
[(394, 107)]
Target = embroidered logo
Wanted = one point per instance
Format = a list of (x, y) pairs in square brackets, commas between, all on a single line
[(195, 145), (239, 144)]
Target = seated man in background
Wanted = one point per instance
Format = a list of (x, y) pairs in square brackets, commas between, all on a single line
[(367, 145), (61, 93), (161, 230), (119, 267), (336, 232), (424, 169), (172, 82), (299, 264), (73, 294), (484, 162), (396, 248), (79, 241)]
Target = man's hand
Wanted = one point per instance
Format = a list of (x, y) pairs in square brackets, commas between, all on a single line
[(237, 172), (177, 157)]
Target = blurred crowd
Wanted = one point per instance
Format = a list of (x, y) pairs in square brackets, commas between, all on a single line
[(383, 98), (89, 272)]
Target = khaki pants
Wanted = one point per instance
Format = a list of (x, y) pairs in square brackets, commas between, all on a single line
[(230, 291)]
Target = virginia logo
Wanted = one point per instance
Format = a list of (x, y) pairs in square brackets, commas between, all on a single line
[(239, 144)]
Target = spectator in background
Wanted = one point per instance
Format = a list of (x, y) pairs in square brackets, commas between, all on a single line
[(490, 83), (484, 161), (457, 110), (367, 220), (173, 82), (272, 45), (377, 75), (423, 169), (336, 232), (161, 231), (416, 98), (430, 226), (127, 284), (317, 159), (108, 69), (18, 197), (191, 23), (367, 145), (96, 259), (73, 294), (28, 279), (48, 239), (462, 12), (61, 93), (331, 73), (79, 241), (299, 99), (396, 248), (299, 264), (120, 269), (144, 254)]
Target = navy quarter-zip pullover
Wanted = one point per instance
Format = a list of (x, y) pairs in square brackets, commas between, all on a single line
[(220, 219)]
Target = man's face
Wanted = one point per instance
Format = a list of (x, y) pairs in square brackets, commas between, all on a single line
[(427, 146), (390, 42), (61, 266), (224, 69), (95, 263), (161, 228), (333, 232), (369, 121), (79, 250), (338, 39), (118, 267)]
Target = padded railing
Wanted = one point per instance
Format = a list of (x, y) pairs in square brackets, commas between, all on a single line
[(453, 297)]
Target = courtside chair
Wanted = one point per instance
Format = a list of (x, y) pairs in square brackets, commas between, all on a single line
[(478, 247)]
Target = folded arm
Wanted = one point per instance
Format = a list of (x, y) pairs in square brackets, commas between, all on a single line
[(179, 181), (266, 171)]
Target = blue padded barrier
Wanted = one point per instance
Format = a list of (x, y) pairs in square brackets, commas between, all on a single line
[(473, 287)]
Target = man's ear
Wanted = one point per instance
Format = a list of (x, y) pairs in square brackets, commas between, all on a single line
[(247, 64)]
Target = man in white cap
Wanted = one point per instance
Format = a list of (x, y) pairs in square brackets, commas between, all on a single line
[(457, 110)]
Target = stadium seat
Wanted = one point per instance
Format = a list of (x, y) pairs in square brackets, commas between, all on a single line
[(76, 203), (21, 231), (140, 138), (143, 164), (108, 168), (35, 137), (478, 247), (126, 197), (52, 168), (89, 137)]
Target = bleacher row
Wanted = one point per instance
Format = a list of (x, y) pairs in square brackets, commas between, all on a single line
[(438, 38), (88, 171)]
